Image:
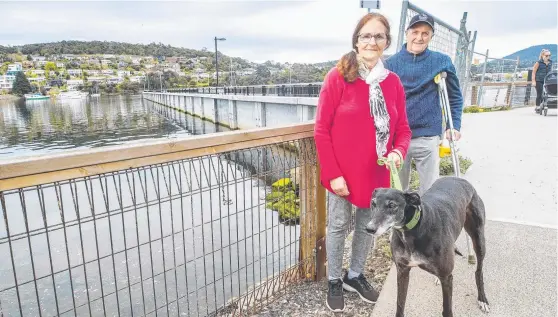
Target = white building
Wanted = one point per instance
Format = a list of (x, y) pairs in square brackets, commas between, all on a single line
[(75, 72), (98, 79), (6, 82), (123, 73), (37, 79), (137, 79), (40, 63), (114, 80), (199, 76), (38, 72), (38, 58), (14, 68), (93, 72), (74, 83)]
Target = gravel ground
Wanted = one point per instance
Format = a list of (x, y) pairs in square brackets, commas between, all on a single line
[(308, 298)]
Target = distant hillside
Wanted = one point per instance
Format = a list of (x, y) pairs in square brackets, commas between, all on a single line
[(104, 47), (114, 48), (244, 72), (531, 54)]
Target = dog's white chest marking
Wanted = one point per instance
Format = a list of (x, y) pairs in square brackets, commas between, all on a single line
[(415, 260)]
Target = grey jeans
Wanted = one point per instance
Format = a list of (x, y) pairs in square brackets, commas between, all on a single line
[(424, 151), (339, 217)]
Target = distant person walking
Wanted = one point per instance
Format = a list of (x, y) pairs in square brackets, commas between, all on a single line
[(541, 68), (361, 117), (417, 66)]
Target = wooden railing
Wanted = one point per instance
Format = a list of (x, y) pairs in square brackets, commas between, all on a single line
[(160, 182)]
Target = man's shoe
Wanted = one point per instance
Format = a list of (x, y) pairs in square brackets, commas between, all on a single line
[(361, 286), (335, 301)]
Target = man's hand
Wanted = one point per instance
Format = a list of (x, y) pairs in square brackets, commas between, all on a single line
[(339, 186), (395, 157), (456, 135)]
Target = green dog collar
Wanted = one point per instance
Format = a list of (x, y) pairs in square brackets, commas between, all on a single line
[(413, 222)]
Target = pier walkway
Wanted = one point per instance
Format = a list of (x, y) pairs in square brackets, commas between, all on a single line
[(514, 170)]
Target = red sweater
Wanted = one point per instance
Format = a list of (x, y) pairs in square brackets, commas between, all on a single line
[(345, 134)]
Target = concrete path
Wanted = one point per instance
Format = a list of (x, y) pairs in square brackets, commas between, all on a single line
[(514, 156)]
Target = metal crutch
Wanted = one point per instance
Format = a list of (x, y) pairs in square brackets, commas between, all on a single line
[(440, 79)]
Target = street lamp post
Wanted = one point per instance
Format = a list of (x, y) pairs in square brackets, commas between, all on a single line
[(217, 60)]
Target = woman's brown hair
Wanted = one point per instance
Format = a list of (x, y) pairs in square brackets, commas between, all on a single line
[(348, 65)]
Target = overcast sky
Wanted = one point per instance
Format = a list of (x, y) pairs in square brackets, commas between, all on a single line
[(284, 31)]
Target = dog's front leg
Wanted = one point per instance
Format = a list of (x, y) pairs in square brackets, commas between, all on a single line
[(447, 292), (402, 286)]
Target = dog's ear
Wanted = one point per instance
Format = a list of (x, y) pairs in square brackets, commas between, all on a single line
[(412, 198)]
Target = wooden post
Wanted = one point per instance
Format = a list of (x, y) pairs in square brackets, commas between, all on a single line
[(509, 96), (474, 94), (321, 197), (312, 217), (308, 213)]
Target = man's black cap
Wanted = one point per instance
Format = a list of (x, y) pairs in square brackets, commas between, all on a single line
[(424, 18)]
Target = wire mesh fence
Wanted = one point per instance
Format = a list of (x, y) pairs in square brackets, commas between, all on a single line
[(496, 82), (457, 43), (445, 38), (210, 235)]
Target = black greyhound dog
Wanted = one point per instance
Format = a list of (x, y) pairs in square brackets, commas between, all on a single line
[(426, 230)]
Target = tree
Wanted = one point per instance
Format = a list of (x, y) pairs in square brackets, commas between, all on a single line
[(21, 85), (29, 58), (50, 66)]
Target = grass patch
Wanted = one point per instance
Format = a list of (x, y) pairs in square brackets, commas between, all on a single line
[(446, 169), (477, 109)]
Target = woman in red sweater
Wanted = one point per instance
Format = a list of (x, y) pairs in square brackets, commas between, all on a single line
[(361, 116)]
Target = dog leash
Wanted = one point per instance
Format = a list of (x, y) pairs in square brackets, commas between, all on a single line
[(394, 173), (396, 183)]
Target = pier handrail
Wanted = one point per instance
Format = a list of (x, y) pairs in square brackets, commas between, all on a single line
[(43, 169), (225, 189)]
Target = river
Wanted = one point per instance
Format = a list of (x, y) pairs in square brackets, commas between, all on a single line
[(159, 236), (47, 126)]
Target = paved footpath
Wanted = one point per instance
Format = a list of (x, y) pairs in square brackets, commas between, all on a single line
[(514, 169)]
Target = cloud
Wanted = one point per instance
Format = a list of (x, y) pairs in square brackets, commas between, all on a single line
[(295, 31)]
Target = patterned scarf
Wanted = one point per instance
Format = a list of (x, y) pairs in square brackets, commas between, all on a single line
[(378, 110)]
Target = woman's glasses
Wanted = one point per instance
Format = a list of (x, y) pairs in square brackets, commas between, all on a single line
[(367, 37)]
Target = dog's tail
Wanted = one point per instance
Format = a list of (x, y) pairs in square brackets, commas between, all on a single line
[(457, 251)]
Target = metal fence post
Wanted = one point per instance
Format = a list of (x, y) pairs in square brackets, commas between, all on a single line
[(402, 23), (469, 63), (512, 88), (480, 91)]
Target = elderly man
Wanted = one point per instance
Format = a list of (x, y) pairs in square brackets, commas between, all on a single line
[(417, 66)]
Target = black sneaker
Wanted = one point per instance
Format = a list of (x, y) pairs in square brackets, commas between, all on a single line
[(335, 301), (361, 286)]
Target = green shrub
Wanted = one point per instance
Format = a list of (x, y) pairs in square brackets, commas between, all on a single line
[(446, 169)]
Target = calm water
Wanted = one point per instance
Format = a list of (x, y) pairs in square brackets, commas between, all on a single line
[(46, 126), (187, 250)]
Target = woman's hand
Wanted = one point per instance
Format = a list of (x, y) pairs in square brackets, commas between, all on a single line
[(339, 186), (395, 157)]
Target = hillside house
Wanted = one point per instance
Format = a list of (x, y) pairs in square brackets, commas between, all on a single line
[(75, 72)]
